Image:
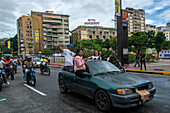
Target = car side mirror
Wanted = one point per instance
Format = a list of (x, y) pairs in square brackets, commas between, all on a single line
[(86, 74)]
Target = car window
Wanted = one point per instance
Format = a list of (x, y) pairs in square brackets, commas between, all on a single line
[(102, 67)]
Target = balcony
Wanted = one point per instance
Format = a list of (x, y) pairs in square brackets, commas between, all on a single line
[(52, 21)]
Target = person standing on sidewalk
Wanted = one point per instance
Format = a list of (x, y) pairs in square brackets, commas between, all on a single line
[(137, 59), (142, 60), (68, 57)]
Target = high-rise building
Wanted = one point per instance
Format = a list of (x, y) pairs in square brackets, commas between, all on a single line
[(151, 28), (42, 30), (92, 32), (24, 34), (136, 20), (168, 26), (52, 28)]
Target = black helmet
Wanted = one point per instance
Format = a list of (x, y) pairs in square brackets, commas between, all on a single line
[(29, 56)]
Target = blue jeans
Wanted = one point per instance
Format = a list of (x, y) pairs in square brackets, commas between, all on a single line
[(25, 75), (137, 62), (4, 75)]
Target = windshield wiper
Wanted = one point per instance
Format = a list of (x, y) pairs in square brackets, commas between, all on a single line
[(100, 73), (112, 71)]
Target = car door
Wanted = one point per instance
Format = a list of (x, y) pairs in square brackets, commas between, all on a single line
[(84, 85), (69, 79)]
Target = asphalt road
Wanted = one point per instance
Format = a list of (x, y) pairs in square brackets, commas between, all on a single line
[(18, 98)]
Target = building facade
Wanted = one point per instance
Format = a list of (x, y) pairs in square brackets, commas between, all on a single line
[(161, 28), (42, 30), (151, 28), (136, 20), (167, 35), (52, 28), (92, 32), (24, 34)]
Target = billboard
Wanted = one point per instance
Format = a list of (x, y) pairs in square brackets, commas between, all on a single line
[(36, 35), (9, 44), (117, 8)]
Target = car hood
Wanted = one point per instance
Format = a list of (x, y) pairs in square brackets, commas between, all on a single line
[(124, 79)]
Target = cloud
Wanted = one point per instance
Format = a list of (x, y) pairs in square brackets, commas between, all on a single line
[(149, 21), (165, 15)]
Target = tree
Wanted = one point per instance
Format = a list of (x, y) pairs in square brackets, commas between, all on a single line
[(166, 45), (159, 39), (46, 52), (151, 38), (139, 40)]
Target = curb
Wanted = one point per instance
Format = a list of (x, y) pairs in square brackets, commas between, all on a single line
[(151, 72)]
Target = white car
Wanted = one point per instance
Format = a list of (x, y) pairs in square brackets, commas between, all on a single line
[(36, 62)]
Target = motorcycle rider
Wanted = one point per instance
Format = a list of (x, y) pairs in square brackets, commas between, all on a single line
[(14, 62), (27, 65), (23, 63), (43, 62), (3, 72)]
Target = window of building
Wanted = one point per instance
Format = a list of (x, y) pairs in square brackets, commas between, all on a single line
[(27, 38), (66, 41), (66, 29), (104, 37), (60, 33), (28, 18), (90, 36), (66, 37), (97, 36), (66, 33), (100, 33), (93, 32), (65, 24), (65, 20)]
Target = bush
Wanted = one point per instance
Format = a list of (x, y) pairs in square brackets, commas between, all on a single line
[(132, 58)]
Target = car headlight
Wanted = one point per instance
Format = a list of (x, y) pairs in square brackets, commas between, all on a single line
[(150, 86), (124, 91)]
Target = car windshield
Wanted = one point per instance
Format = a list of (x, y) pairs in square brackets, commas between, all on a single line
[(102, 67)]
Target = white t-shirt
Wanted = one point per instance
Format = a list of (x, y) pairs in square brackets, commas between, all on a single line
[(95, 57), (68, 57), (1, 64), (14, 61)]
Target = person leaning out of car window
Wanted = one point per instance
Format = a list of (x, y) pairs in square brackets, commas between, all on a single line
[(79, 63), (96, 56)]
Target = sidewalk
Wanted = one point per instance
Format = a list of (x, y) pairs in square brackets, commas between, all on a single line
[(160, 67)]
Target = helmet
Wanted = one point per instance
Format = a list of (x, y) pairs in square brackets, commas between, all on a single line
[(43, 56), (8, 56)]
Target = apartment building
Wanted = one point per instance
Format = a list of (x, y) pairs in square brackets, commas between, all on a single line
[(49, 29), (161, 28), (167, 35), (92, 32), (24, 34), (151, 28), (136, 21)]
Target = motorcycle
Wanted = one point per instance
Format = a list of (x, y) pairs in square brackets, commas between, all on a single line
[(14, 68), (9, 71), (45, 69), (2, 79), (31, 79)]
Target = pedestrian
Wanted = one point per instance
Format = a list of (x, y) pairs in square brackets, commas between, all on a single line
[(137, 59), (68, 57), (142, 60), (96, 56), (79, 63)]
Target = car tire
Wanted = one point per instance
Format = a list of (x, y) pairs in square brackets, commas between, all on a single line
[(103, 101), (62, 86)]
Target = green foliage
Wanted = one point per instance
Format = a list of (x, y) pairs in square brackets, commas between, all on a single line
[(139, 40), (132, 58), (159, 39), (46, 52), (131, 48), (151, 37), (166, 45)]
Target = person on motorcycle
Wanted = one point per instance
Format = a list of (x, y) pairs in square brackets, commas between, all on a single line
[(7, 61), (43, 62), (27, 65), (14, 62), (23, 64), (3, 72)]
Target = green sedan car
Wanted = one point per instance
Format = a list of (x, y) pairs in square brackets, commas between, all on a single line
[(107, 85)]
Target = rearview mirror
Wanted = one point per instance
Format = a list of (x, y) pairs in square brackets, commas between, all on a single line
[(86, 74)]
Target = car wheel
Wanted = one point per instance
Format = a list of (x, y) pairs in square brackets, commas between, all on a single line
[(102, 101), (62, 87)]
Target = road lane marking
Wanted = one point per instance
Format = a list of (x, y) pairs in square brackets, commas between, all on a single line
[(39, 92)]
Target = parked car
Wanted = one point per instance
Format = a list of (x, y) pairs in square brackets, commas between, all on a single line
[(107, 85), (36, 62)]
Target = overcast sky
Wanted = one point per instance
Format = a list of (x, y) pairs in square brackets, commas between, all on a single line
[(157, 11)]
